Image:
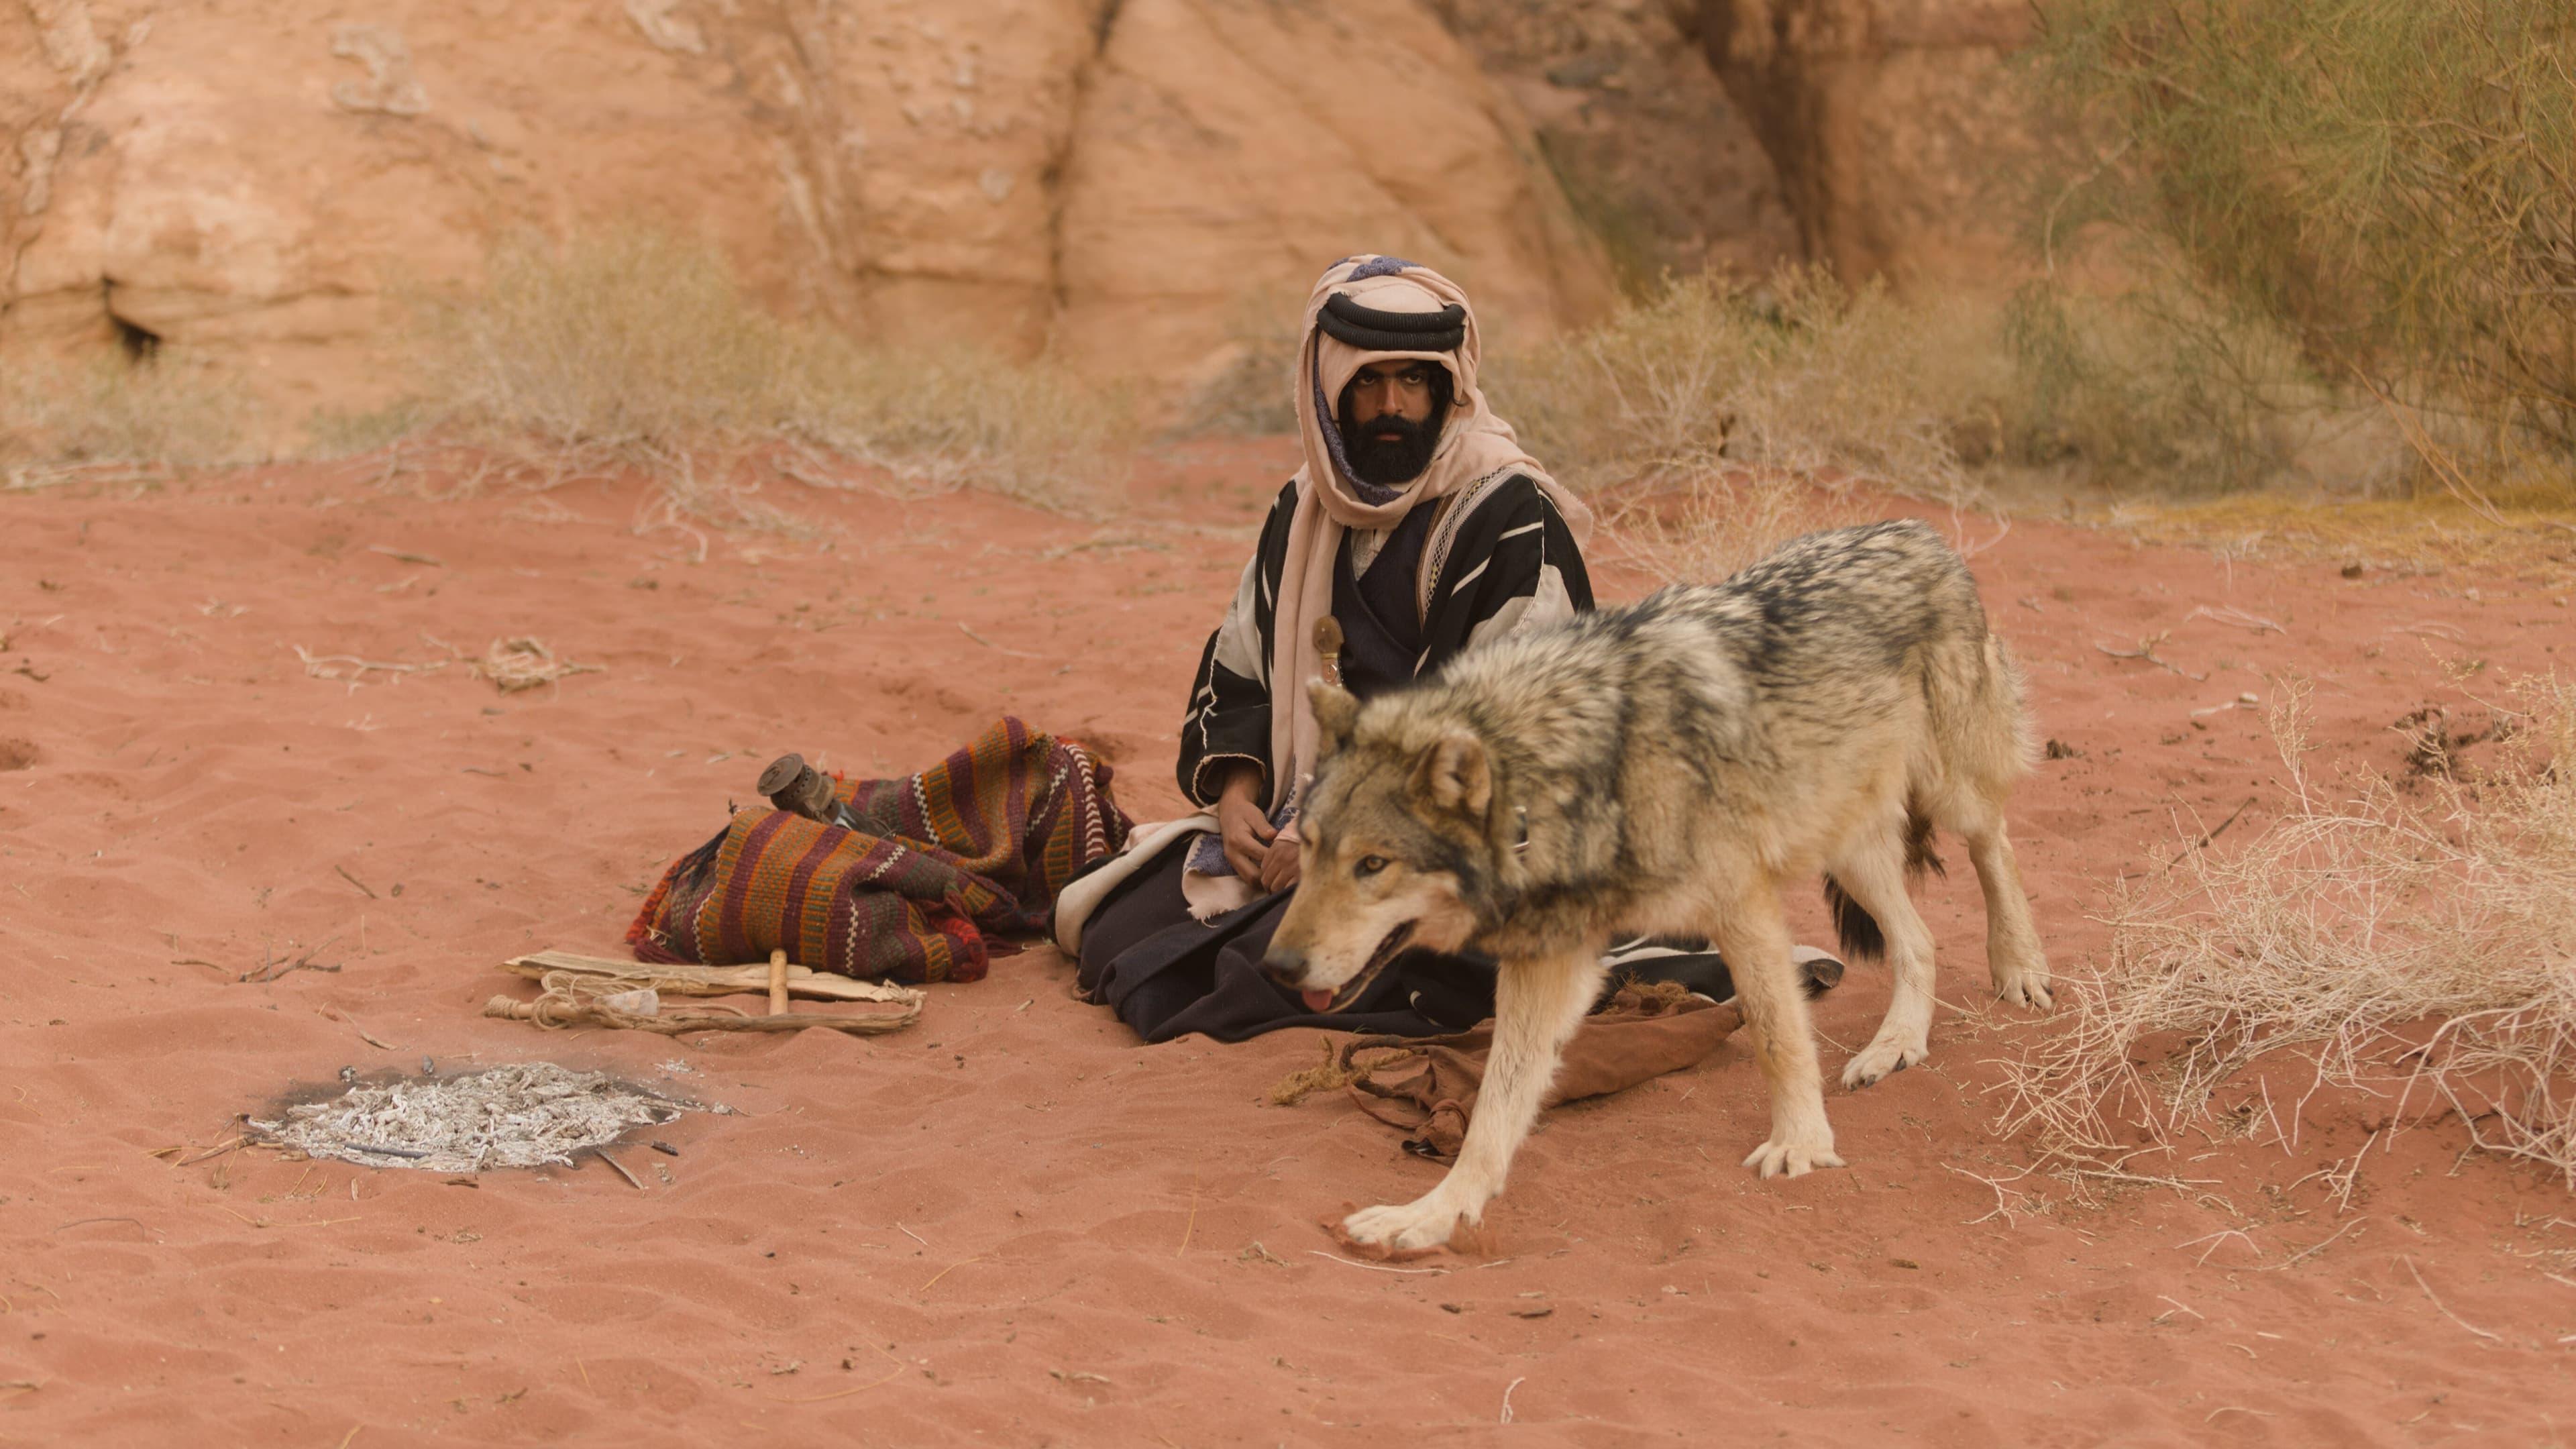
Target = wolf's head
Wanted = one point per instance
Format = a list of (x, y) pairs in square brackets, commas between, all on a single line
[(1399, 846)]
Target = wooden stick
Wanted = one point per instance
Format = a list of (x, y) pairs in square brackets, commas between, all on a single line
[(631, 1179), (778, 983)]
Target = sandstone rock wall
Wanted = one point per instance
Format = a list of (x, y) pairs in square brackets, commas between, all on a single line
[(1226, 149), (254, 179), (1658, 160), (1134, 183), (1892, 124)]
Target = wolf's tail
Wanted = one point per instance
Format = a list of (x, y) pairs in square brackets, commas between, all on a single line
[(1856, 929)]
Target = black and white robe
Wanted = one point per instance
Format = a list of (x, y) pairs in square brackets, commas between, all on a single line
[(1496, 558)]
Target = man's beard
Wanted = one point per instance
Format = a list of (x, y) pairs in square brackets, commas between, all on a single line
[(1386, 462)]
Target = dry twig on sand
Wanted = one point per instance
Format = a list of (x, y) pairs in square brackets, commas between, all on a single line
[(272, 966), (2237, 618), (632, 1180), (350, 666), (2146, 650), (2437, 1302), (525, 663)]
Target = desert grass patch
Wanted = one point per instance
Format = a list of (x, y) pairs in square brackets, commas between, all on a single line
[(115, 420), (633, 349), (2414, 944)]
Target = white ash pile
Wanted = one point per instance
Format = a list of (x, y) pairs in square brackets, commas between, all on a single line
[(524, 1115)]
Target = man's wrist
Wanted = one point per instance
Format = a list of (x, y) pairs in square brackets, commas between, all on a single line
[(1242, 780)]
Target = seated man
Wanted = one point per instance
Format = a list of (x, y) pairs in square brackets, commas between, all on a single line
[(1422, 529)]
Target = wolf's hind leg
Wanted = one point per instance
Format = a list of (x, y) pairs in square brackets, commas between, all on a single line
[(1754, 937), (1873, 876), (1985, 748), (1537, 1006), (2014, 959)]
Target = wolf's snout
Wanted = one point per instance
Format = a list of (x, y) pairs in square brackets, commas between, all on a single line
[(1285, 965)]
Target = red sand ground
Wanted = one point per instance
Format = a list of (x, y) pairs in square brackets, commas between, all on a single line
[(1013, 1225)]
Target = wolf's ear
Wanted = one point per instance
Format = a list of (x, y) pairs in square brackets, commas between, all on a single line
[(1451, 774), (1336, 712)]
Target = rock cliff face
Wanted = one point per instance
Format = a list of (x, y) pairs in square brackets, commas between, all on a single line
[(253, 180), (1891, 124), (1658, 160), (1130, 182), (1226, 150)]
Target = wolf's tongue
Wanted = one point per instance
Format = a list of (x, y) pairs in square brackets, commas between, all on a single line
[(1318, 1001)]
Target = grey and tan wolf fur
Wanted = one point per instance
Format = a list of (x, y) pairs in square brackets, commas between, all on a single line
[(1673, 768)]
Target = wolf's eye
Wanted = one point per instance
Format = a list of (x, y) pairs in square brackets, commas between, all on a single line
[(1368, 865)]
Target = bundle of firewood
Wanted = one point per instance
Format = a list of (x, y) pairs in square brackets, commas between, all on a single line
[(604, 991)]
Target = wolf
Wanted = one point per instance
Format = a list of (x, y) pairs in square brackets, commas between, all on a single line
[(1673, 767)]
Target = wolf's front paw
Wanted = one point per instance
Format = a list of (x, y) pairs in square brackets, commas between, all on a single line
[(1776, 1158), (1425, 1222), (2026, 988), (1881, 1057)]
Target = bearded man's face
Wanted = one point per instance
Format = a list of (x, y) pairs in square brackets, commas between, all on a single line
[(1391, 416)]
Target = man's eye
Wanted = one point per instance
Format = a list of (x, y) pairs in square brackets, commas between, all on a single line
[(1368, 865)]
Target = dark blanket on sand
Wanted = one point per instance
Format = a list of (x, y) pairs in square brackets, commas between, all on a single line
[(1166, 974), (974, 847)]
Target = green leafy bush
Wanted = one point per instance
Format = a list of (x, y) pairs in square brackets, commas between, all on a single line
[(2390, 182)]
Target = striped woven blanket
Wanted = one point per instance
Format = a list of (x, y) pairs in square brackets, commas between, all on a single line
[(976, 845)]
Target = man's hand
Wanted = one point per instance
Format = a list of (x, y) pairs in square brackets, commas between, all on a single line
[(1279, 867), (1243, 829)]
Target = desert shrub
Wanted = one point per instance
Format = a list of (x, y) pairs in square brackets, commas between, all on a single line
[(636, 347), (2155, 385), (2391, 182), (1799, 375), (1711, 421), (951, 417), (2419, 944), (112, 418), (1705, 527)]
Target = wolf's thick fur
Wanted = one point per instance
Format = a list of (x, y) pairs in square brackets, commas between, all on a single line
[(1674, 767)]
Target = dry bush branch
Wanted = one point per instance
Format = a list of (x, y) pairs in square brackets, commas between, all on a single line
[(2418, 948)]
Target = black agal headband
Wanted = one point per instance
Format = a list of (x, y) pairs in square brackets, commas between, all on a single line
[(1371, 330)]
